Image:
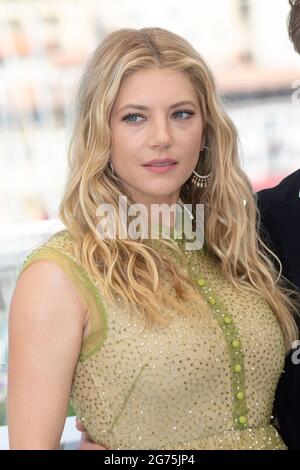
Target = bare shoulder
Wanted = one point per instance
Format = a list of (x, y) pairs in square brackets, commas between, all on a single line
[(44, 286), (45, 336)]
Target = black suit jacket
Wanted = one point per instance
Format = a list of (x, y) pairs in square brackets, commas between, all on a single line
[(280, 217)]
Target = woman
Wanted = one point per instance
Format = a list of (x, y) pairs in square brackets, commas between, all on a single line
[(160, 347)]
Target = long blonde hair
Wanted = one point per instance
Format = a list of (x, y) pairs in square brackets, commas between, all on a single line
[(130, 268)]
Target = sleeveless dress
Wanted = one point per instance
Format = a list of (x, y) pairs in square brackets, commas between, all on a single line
[(205, 381)]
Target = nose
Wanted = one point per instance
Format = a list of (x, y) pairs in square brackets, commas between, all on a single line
[(161, 132)]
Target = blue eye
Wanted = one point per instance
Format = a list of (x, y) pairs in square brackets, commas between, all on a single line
[(189, 113), (127, 117)]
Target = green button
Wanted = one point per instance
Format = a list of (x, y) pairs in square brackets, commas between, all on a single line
[(237, 368), (212, 301), (242, 419), (227, 320), (201, 282), (240, 395), (235, 343)]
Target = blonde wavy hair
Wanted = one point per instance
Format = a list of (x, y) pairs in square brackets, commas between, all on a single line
[(131, 268)]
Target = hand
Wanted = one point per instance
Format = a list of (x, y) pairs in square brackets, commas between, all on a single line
[(86, 442)]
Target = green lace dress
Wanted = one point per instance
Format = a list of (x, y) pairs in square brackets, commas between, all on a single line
[(205, 381)]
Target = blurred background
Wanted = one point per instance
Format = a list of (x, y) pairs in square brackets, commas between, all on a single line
[(43, 45)]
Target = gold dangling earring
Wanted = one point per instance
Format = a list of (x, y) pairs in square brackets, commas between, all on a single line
[(201, 180)]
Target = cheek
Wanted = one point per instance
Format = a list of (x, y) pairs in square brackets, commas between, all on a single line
[(128, 138), (192, 144), (196, 135), (126, 151), (120, 141), (192, 136)]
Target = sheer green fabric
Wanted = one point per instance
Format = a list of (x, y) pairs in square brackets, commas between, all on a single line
[(59, 250), (205, 381)]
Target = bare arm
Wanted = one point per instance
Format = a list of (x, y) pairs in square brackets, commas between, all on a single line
[(46, 323)]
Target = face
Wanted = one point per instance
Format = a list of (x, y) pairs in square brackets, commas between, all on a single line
[(147, 124)]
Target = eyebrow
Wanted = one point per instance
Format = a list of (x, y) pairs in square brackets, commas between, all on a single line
[(144, 108)]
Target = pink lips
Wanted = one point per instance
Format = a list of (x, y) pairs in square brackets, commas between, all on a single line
[(160, 169), (162, 165), (160, 160)]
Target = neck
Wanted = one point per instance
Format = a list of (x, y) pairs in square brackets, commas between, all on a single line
[(156, 214)]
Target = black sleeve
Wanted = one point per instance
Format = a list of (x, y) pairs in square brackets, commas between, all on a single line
[(287, 402), (286, 409)]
